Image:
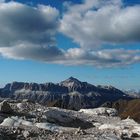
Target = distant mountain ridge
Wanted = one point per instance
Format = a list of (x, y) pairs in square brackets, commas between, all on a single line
[(133, 93), (70, 93)]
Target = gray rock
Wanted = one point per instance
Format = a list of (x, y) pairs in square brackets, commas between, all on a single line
[(5, 107), (26, 134), (64, 118)]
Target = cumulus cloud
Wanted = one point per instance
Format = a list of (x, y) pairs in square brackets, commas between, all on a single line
[(103, 58), (28, 32), (32, 51), (108, 58), (97, 22), (20, 23)]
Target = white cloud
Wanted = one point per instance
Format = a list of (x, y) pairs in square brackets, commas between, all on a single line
[(32, 51), (102, 58), (97, 22), (75, 56), (21, 24), (29, 33)]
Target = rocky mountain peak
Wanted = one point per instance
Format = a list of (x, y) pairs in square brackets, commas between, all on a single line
[(74, 84), (70, 82), (72, 79)]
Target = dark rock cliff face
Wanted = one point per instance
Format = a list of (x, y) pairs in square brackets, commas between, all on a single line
[(71, 93)]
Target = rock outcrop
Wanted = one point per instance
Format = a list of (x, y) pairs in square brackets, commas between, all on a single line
[(66, 118), (5, 107)]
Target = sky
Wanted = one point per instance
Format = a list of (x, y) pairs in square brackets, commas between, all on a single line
[(97, 41)]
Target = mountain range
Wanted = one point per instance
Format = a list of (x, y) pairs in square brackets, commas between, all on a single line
[(133, 93), (70, 93)]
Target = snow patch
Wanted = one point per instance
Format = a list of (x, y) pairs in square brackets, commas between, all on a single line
[(102, 111), (15, 121), (53, 127), (109, 126)]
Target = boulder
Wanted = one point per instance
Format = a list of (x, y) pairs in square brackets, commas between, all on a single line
[(65, 118), (5, 107)]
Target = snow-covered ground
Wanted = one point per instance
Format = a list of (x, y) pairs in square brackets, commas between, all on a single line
[(33, 121)]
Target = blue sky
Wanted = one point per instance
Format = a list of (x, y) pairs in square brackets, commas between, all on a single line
[(107, 56)]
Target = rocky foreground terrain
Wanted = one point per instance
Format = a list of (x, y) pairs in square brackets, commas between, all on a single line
[(26, 120), (126, 108)]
